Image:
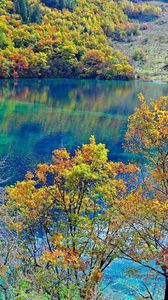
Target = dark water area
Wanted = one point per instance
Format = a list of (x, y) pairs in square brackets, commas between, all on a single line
[(38, 116)]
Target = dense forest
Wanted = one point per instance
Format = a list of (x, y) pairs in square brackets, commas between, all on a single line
[(67, 38)]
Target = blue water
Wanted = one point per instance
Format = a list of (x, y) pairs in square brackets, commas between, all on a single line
[(38, 116), (121, 285)]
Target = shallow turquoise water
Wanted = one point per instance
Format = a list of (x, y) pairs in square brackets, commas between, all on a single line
[(122, 286), (38, 116)]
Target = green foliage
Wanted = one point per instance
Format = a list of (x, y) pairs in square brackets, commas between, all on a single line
[(4, 41), (139, 55)]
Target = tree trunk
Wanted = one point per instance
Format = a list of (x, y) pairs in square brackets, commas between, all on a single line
[(166, 288)]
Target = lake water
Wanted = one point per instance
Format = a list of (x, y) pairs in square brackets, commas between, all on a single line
[(38, 116)]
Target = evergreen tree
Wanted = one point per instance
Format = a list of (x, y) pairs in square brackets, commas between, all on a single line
[(28, 12), (22, 8), (35, 15), (60, 4)]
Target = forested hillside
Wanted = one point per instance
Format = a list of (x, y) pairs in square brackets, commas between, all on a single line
[(72, 38), (61, 38)]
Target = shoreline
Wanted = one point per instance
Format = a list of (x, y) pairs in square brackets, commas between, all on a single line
[(149, 80)]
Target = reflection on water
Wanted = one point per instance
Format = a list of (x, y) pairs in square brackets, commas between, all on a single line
[(37, 116)]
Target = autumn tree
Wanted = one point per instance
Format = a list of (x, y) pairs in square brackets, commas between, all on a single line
[(148, 134), (66, 214), (93, 63), (146, 209)]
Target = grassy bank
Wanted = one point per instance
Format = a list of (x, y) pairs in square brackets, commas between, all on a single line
[(153, 41)]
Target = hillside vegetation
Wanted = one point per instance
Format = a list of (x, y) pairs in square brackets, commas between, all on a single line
[(82, 39), (67, 38), (148, 51)]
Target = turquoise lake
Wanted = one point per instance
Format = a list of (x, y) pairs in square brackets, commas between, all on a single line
[(38, 116)]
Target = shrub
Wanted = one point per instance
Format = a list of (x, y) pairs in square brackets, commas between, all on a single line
[(139, 55)]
